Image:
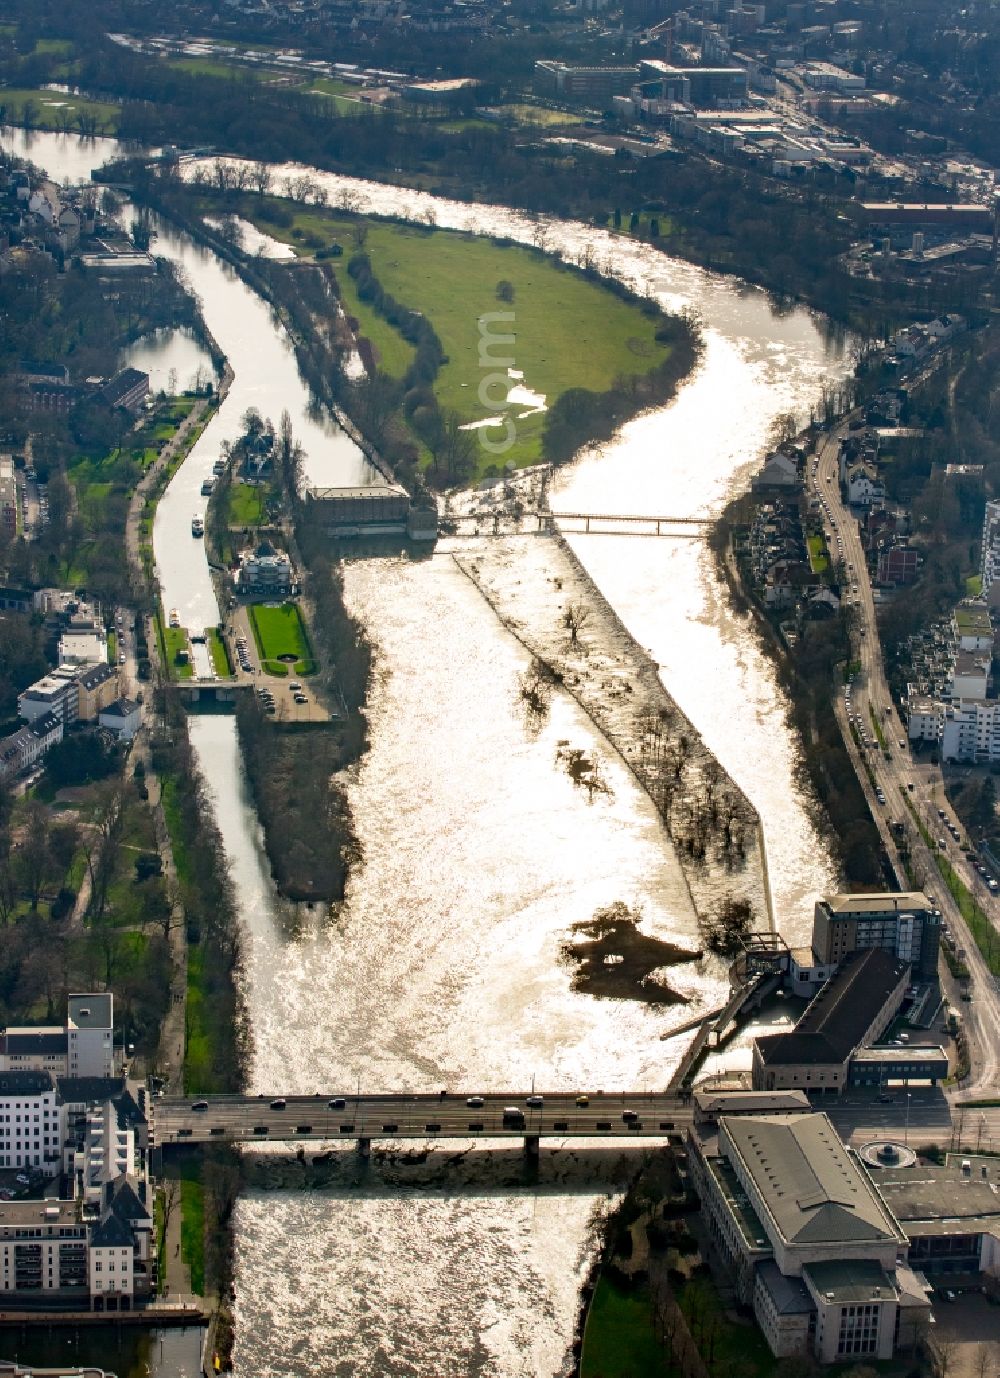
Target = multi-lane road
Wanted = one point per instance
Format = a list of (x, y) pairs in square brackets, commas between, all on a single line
[(446, 1115), (902, 785)]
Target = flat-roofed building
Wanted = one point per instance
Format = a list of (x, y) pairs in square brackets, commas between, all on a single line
[(570, 82), (905, 924)]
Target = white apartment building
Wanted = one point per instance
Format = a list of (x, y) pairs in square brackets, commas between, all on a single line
[(32, 1122), (970, 730), (90, 1021), (83, 1047), (970, 675), (54, 693), (990, 566)]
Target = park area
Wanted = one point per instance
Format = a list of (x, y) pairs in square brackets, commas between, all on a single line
[(281, 639), (559, 330)]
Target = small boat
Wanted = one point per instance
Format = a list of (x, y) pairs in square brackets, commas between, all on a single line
[(219, 467), (175, 618), (197, 525), (207, 486)]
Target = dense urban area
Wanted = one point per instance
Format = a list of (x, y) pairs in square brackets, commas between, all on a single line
[(499, 688)]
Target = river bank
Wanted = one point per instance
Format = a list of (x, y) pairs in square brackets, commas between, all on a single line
[(811, 666)]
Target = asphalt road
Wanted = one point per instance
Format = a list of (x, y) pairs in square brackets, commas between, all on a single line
[(417, 1116), (870, 700)]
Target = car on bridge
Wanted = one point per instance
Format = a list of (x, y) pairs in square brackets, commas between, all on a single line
[(200, 1105)]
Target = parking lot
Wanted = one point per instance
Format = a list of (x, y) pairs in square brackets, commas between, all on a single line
[(284, 698)]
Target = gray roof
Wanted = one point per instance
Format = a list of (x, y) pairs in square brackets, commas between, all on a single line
[(122, 1198), (906, 902), (88, 1090), (809, 1182), (90, 1011), (121, 708), (789, 1294), (942, 1200), (841, 1014), (94, 675), (857, 1280), (29, 1043), (111, 1233), (24, 1083)]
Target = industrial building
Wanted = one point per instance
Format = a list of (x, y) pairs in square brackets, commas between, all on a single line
[(378, 510), (850, 1012)]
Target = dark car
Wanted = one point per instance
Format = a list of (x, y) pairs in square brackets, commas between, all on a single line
[(200, 1105), (278, 1104), (338, 1104)]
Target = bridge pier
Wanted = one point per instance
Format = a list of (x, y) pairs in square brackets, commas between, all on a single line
[(531, 1145), (364, 1147)]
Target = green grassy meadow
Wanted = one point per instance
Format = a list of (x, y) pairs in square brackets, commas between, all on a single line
[(56, 109), (568, 332), (280, 631)]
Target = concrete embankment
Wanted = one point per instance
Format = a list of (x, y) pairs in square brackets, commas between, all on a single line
[(545, 598)]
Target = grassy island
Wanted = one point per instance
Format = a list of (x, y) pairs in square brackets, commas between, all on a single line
[(504, 316)]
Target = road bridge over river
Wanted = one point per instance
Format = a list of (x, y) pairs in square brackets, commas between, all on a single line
[(362, 1118)]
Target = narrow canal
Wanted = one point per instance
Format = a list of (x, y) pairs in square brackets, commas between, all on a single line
[(443, 966)]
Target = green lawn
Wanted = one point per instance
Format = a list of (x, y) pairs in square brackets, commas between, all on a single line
[(568, 332), (974, 586), (525, 113), (818, 560), (175, 639), (218, 652), (619, 1341), (246, 505), (279, 631), (55, 109), (193, 1232)]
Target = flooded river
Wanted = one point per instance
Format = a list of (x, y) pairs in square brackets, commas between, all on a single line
[(443, 967)]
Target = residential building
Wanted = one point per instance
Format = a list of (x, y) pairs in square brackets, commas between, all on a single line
[(973, 627), (970, 675), (864, 487), (128, 389), (82, 1047), (54, 693), (97, 686), (123, 718), (95, 1250), (969, 730), (25, 747), (779, 471), (83, 643), (808, 1240), (850, 1012), (30, 1122), (8, 497), (990, 567), (90, 1035), (907, 925), (924, 720)]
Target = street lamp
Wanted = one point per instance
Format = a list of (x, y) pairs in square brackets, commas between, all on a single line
[(906, 1130)]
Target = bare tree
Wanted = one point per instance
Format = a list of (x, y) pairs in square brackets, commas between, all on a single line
[(575, 618), (260, 178)]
